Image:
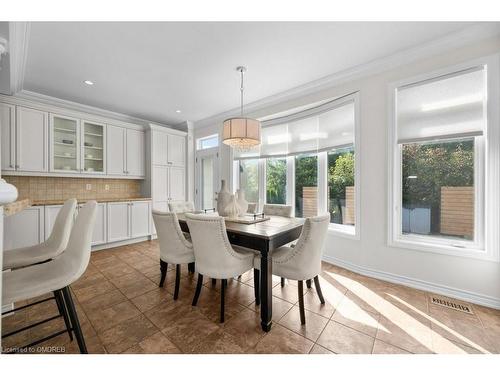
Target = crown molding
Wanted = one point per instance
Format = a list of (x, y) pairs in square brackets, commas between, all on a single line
[(435, 47), (18, 49), (53, 104)]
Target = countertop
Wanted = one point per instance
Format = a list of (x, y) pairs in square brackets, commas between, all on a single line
[(15, 207), (49, 202)]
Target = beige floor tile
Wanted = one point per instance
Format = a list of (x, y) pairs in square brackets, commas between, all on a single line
[(351, 315), (344, 340), (406, 333), (104, 319), (318, 349), (282, 341), (245, 327), (381, 347), (104, 301), (219, 342), (312, 329), (86, 294), (280, 308), (155, 344), (151, 299)]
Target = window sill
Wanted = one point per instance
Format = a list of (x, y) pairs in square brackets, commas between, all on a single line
[(346, 231), (444, 249)]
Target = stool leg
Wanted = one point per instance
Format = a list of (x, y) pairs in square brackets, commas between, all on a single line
[(199, 284), (256, 285), (191, 267), (223, 285), (308, 283), (63, 311), (214, 281), (75, 323), (301, 303), (177, 280), (318, 289), (163, 270), (282, 282)]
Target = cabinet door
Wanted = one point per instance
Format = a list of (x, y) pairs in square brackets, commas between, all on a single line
[(115, 150), (51, 213), (65, 144), (24, 228), (31, 140), (176, 150), (140, 216), (118, 221), (93, 155), (135, 165), (177, 184), (159, 144), (159, 181), (158, 206), (99, 232), (8, 136)]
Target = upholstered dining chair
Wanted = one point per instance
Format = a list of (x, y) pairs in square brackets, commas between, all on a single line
[(181, 207), (278, 210), (49, 249), (57, 275), (215, 256), (302, 261), (174, 247)]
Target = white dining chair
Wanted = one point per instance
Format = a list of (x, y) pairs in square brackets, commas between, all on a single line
[(181, 206), (215, 256), (174, 247), (302, 261), (278, 210), (55, 244), (56, 275)]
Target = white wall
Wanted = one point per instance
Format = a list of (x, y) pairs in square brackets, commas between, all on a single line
[(466, 278)]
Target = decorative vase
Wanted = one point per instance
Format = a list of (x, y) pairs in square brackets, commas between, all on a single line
[(232, 209), (223, 198), (242, 202)]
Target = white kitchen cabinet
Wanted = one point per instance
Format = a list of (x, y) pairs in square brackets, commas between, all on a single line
[(8, 136), (50, 215), (160, 188), (176, 150), (135, 153), (99, 233), (64, 144), (25, 228), (140, 219), (159, 145), (115, 147), (93, 147), (31, 140), (177, 187), (118, 221)]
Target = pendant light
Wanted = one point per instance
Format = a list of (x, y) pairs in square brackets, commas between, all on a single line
[(241, 133)]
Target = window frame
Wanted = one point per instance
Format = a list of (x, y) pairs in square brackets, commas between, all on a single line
[(201, 139), (486, 178)]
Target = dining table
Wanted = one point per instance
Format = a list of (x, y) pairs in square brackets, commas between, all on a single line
[(264, 236)]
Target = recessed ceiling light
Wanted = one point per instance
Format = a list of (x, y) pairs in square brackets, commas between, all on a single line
[(87, 82), (177, 111)]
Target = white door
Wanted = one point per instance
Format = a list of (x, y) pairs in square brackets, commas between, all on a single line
[(51, 213), (115, 150), (118, 221), (140, 216), (177, 187), (64, 144), (176, 150), (99, 232), (207, 178), (23, 229), (135, 150), (31, 140), (8, 136), (159, 143)]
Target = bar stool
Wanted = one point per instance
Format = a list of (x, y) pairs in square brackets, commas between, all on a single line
[(55, 277), (49, 249)]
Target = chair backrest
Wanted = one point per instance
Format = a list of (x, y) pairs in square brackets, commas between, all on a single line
[(59, 237), (173, 244), (181, 206), (278, 210), (212, 250), (75, 258), (306, 255)]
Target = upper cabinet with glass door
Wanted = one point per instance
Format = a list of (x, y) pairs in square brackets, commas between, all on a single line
[(65, 144), (93, 153)]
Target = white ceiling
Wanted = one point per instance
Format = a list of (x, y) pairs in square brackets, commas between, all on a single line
[(149, 70)]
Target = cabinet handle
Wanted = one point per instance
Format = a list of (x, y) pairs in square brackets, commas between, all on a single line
[(17, 166)]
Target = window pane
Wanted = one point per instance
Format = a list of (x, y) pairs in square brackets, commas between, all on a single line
[(249, 179), (306, 185), (341, 203), (276, 181), (209, 142), (207, 178), (438, 188)]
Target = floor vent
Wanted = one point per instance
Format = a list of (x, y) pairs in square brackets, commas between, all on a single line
[(452, 305)]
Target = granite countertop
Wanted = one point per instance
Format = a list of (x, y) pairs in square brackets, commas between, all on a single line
[(15, 207), (49, 202)]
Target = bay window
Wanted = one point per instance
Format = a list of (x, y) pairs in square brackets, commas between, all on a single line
[(306, 160), (439, 189)]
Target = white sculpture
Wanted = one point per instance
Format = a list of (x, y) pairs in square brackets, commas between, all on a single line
[(223, 198), (242, 202), (232, 209)]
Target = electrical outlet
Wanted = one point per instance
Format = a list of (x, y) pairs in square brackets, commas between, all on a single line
[(106, 187), (88, 186)]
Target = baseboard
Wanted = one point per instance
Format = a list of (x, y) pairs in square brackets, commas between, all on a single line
[(110, 245), (472, 297)]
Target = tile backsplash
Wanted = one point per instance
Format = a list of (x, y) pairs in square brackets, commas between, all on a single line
[(62, 188)]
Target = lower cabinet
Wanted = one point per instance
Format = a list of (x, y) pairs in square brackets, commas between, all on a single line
[(25, 228), (128, 220), (99, 234)]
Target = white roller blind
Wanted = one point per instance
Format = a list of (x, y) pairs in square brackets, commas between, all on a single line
[(275, 140), (447, 107), (304, 135), (336, 127)]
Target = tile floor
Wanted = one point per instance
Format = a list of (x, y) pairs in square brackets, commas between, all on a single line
[(122, 310)]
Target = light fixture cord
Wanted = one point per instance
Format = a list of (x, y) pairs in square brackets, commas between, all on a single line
[(241, 92)]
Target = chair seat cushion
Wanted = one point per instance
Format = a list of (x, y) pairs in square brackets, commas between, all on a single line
[(27, 256)]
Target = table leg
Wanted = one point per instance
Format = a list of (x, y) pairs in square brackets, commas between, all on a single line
[(266, 293)]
